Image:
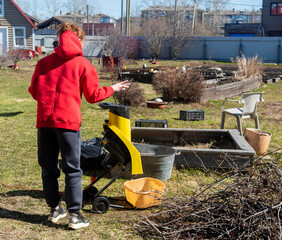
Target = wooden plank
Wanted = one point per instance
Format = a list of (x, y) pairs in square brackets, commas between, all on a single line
[(240, 154), (231, 89)]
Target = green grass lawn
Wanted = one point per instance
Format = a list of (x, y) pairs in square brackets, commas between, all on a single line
[(23, 211)]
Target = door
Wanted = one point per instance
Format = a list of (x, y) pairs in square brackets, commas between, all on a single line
[(3, 40)]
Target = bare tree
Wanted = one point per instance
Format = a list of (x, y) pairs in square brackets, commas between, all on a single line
[(155, 32), (54, 7), (216, 6), (182, 36), (120, 46), (35, 12), (79, 6), (180, 32)]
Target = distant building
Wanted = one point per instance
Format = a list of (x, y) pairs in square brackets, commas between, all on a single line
[(213, 20), (231, 16), (232, 20), (272, 17), (168, 13), (99, 25), (102, 18), (133, 20), (270, 25), (98, 29)]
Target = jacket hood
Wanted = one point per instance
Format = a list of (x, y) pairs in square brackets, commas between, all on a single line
[(70, 46)]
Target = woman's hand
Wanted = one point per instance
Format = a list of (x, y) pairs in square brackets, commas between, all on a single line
[(120, 86)]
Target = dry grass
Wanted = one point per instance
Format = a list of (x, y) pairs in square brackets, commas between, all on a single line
[(23, 213), (248, 67)]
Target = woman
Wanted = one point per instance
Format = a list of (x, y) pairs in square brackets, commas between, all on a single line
[(58, 82)]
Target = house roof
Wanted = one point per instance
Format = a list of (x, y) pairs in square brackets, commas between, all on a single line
[(33, 19), (100, 15), (27, 18), (49, 22), (68, 17)]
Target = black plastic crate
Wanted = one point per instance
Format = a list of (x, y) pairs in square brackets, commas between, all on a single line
[(192, 115), (151, 123)]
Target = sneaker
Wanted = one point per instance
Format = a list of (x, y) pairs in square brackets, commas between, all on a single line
[(56, 214), (76, 221)]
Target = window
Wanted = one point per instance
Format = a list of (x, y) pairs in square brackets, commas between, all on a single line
[(1, 7), (276, 9), (19, 36)]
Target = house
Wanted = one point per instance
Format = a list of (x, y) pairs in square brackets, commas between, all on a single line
[(98, 29), (16, 28), (49, 27), (102, 18), (272, 18)]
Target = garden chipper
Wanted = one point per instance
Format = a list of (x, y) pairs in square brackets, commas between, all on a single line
[(121, 154)]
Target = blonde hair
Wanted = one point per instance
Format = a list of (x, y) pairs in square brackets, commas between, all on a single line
[(72, 27)]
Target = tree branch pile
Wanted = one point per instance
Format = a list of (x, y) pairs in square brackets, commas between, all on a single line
[(237, 205)]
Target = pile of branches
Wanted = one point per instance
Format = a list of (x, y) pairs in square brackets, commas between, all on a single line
[(237, 205)]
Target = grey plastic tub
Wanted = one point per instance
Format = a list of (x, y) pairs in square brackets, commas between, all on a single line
[(157, 162)]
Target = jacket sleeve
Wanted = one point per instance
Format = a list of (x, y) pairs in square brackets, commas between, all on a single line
[(33, 86), (90, 86)]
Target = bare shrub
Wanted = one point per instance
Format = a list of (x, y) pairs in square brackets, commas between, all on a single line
[(179, 86), (16, 55), (248, 67), (4, 60), (133, 96)]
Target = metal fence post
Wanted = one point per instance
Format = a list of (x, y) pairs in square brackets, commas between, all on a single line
[(278, 52), (205, 50), (240, 48)]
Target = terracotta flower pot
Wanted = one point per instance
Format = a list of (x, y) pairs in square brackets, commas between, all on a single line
[(258, 140), (154, 104)]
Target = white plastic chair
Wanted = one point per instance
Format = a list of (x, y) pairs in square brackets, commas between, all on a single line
[(249, 109)]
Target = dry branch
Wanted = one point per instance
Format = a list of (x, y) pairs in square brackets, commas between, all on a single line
[(237, 205)]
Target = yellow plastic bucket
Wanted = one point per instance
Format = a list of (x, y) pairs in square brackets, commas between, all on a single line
[(144, 192)]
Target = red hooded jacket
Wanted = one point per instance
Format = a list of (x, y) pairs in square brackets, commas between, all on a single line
[(58, 82)]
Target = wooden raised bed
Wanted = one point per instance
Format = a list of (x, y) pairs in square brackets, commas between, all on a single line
[(200, 148), (231, 89)]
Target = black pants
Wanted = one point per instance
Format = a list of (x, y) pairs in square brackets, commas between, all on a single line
[(50, 142)]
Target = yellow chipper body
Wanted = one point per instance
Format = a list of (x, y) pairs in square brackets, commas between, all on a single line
[(120, 152)]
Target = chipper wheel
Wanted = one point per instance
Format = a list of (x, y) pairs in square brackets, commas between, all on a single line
[(89, 195), (100, 205)]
